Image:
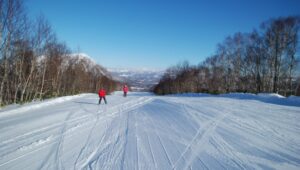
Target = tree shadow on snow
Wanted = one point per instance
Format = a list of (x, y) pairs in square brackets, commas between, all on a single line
[(266, 98), (289, 101)]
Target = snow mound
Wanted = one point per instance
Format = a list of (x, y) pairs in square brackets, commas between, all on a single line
[(270, 95), (15, 109)]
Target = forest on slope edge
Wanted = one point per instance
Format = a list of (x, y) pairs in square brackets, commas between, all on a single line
[(34, 64), (265, 60)]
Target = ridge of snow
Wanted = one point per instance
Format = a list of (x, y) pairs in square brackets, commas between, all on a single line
[(270, 95), (36, 105), (36, 143)]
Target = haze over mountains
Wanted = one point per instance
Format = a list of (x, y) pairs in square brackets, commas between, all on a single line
[(139, 79)]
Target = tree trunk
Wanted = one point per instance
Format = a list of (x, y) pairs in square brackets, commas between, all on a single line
[(43, 80)]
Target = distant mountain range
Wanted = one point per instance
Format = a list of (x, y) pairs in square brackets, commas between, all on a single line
[(138, 79)]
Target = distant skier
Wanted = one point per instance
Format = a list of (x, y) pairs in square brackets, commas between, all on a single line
[(125, 90), (102, 95)]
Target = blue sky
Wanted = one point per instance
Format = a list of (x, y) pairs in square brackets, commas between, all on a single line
[(154, 33)]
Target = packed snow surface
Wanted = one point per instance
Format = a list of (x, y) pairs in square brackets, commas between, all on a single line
[(143, 131)]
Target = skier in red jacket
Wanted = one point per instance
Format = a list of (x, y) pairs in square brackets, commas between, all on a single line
[(102, 94), (125, 90)]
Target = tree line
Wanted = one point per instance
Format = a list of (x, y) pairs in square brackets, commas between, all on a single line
[(34, 64), (264, 60)]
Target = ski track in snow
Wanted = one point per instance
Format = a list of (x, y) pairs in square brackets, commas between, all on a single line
[(144, 131)]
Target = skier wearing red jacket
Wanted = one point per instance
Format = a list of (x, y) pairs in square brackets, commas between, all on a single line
[(102, 95), (125, 90)]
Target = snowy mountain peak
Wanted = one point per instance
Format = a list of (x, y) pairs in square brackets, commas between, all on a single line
[(87, 62), (83, 56)]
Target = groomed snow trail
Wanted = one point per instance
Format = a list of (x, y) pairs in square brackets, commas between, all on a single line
[(144, 131)]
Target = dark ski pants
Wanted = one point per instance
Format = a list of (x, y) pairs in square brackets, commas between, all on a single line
[(103, 99), (125, 94)]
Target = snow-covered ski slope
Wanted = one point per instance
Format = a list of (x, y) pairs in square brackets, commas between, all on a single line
[(144, 131)]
